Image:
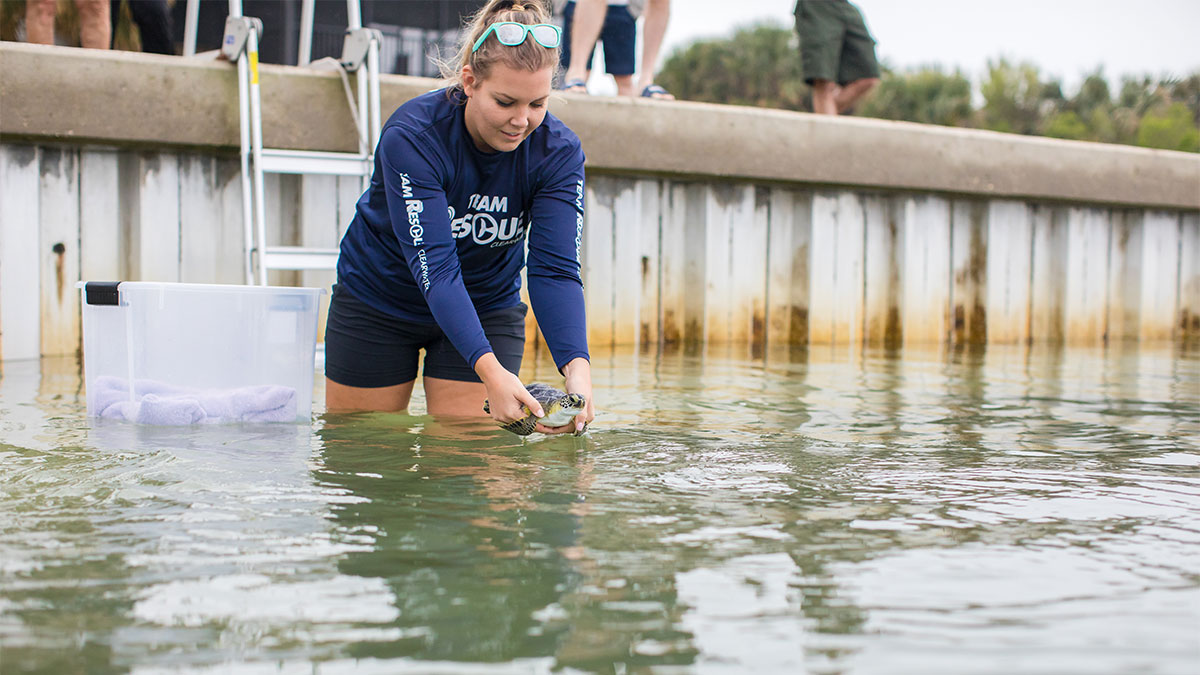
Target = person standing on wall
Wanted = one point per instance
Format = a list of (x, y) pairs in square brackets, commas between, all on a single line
[(95, 31), (838, 54), (608, 21), (614, 24), (432, 259), (655, 17)]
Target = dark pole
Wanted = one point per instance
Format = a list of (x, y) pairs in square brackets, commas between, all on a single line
[(291, 32)]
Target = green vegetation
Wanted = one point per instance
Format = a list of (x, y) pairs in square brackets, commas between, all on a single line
[(760, 66)]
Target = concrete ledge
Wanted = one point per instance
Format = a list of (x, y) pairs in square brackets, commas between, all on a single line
[(128, 99)]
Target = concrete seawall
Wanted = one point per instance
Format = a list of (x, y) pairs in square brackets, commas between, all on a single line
[(705, 223)]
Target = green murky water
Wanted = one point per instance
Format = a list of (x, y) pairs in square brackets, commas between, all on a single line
[(1011, 511)]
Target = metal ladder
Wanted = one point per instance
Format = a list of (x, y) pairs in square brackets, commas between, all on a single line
[(360, 55)]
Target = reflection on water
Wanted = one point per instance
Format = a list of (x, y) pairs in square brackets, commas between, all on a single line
[(1000, 511)]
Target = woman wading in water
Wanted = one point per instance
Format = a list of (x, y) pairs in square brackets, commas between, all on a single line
[(433, 258)]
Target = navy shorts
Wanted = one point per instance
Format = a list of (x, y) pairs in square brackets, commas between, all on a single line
[(618, 36), (365, 347)]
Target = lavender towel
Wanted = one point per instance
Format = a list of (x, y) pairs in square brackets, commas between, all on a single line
[(160, 403)]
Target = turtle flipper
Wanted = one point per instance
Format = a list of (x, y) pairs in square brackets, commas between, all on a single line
[(522, 427), (560, 408)]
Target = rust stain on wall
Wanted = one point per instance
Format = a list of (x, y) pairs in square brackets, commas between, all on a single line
[(670, 328), (798, 330), (60, 262), (1189, 322), (970, 281), (893, 333), (693, 332), (978, 332)]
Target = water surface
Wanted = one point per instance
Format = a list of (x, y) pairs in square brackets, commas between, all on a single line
[(1007, 511)]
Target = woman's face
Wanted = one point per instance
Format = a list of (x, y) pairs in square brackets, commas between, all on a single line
[(503, 109)]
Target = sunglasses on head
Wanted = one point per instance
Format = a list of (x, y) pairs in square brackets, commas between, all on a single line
[(511, 33)]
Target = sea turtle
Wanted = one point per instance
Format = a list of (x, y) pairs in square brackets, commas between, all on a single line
[(559, 406)]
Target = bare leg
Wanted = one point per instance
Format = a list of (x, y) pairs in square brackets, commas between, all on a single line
[(654, 26), (95, 27), (452, 398), (850, 94), (624, 85), (343, 398), (824, 93), (585, 30), (39, 21)]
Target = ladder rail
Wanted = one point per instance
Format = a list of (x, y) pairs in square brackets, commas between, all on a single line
[(244, 157), (353, 22), (244, 150), (256, 145), (363, 138), (304, 52), (191, 22), (313, 162), (373, 83), (257, 160), (301, 258)]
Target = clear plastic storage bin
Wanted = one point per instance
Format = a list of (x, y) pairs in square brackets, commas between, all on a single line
[(170, 353)]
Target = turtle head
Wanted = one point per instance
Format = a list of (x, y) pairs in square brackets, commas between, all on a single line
[(574, 401)]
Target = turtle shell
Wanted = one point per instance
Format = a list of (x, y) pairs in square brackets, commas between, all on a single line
[(559, 406)]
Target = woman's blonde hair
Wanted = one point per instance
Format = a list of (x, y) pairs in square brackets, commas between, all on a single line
[(529, 55)]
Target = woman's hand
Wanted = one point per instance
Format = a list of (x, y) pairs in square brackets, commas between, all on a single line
[(507, 396), (579, 381)]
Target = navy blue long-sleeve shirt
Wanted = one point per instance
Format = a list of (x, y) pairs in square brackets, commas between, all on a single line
[(439, 235)]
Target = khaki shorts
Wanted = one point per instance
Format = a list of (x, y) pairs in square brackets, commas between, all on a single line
[(834, 42)]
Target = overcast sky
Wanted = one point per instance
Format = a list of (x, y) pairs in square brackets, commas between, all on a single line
[(1066, 38)]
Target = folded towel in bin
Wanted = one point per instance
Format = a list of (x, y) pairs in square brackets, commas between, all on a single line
[(160, 403)]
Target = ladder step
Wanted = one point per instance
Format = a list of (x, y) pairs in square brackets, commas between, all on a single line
[(309, 162), (299, 258)]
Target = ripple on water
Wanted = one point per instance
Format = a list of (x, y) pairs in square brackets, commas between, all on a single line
[(1009, 510)]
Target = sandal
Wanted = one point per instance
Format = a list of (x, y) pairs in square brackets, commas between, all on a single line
[(575, 86), (656, 92)]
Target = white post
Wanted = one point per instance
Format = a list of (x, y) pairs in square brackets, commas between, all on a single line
[(256, 145), (354, 21), (235, 9), (190, 28), (306, 32), (244, 156), (373, 78)]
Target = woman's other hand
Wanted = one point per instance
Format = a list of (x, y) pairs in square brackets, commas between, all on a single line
[(507, 396), (579, 381)]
